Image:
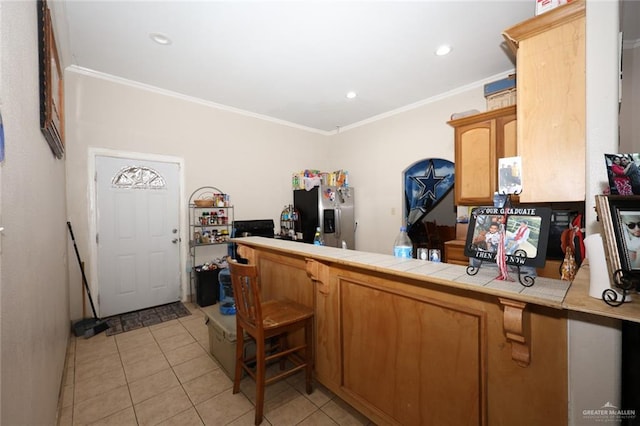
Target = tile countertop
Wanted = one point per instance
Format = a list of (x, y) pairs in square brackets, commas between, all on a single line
[(578, 299), (546, 292)]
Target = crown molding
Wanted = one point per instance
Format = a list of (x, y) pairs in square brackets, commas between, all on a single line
[(108, 77), (131, 83)]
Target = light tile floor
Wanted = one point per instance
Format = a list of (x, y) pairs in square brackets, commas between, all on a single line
[(164, 374)]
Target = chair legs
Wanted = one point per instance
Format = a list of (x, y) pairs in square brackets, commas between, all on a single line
[(239, 360), (260, 379), (282, 345), (259, 372), (308, 355)]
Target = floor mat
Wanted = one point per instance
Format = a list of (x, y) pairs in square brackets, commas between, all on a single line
[(145, 317)]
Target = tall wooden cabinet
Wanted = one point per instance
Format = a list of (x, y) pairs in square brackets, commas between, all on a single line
[(551, 103), (479, 141)]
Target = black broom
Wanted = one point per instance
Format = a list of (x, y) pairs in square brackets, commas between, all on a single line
[(90, 326)]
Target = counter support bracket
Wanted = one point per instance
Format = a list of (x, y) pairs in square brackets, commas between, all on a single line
[(514, 330), (319, 273)]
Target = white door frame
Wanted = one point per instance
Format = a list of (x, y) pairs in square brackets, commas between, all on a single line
[(93, 219)]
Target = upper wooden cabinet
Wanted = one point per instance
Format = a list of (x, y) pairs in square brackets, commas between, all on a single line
[(479, 141), (551, 103)]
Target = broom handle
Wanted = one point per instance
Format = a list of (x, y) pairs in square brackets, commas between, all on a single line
[(84, 299), (84, 277)]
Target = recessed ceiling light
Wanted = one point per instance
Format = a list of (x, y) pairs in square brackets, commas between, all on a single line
[(351, 95), (160, 38), (445, 49)]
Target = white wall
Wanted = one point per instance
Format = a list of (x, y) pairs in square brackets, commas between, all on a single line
[(33, 272), (594, 343), (629, 123), (249, 158), (377, 154)]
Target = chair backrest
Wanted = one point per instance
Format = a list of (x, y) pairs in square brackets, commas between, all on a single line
[(246, 291)]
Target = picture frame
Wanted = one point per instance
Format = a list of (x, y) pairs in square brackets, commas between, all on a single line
[(623, 173), (510, 175), (51, 83), (620, 218), (526, 234)]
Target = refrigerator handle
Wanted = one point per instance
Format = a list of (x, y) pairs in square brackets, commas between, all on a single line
[(338, 224)]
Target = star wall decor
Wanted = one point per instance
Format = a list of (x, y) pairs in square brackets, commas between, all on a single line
[(428, 183)]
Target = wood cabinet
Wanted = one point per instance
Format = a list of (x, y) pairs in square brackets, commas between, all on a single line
[(413, 349), (480, 140), (551, 269), (550, 51), (454, 252)]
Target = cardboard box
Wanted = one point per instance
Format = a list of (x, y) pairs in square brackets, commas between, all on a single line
[(500, 85), (501, 99), (222, 339), (543, 6)]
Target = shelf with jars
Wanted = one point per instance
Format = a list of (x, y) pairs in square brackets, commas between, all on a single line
[(290, 224), (211, 216), (210, 224)]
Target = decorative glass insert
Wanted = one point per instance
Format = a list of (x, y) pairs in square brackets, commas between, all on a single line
[(138, 177)]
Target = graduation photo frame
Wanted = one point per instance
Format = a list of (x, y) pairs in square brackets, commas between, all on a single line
[(525, 232)]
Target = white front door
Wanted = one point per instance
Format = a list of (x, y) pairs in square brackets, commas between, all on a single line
[(138, 234)]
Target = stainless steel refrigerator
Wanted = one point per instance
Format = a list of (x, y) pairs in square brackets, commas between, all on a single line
[(332, 209)]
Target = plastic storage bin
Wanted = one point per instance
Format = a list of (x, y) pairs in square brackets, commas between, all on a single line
[(207, 290), (222, 339)]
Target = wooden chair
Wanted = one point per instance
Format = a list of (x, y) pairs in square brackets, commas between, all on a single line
[(270, 320)]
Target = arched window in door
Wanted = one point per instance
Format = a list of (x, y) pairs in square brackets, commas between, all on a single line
[(138, 177)]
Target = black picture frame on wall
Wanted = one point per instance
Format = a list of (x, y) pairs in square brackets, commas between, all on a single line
[(525, 240), (51, 83)]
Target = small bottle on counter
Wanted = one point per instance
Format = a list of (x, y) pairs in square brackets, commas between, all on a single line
[(403, 247), (317, 238)]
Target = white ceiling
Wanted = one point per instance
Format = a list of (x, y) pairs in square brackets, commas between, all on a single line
[(293, 61)]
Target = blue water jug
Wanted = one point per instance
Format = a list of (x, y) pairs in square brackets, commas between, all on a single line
[(227, 302)]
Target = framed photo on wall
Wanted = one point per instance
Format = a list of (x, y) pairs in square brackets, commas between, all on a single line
[(526, 231), (51, 83), (623, 172)]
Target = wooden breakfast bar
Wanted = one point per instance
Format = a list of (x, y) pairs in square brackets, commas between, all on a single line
[(412, 342)]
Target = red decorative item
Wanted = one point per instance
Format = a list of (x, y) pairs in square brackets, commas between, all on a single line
[(501, 259)]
